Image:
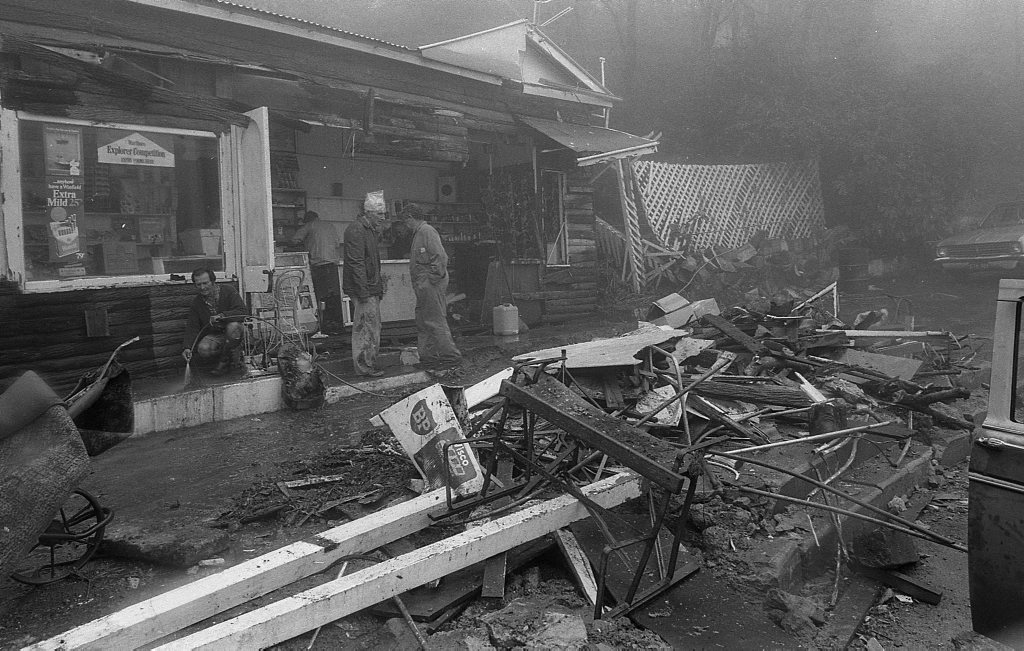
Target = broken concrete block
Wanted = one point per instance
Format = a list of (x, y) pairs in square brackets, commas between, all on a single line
[(511, 626), (716, 539), (461, 639), (971, 379), (559, 631), (884, 549), (405, 639), (178, 546), (977, 642), (795, 614), (950, 447)]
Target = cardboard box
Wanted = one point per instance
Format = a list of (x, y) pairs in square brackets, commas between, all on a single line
[(691, 312), (201, 241), (119, 257), (152, 230)]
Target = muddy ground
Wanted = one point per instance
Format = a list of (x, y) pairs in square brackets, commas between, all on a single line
[(261, 451)]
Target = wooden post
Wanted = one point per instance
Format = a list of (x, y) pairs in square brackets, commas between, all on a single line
[(631, 227), (171, 611), (295, 615)]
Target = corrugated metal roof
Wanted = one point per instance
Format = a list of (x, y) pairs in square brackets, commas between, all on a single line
[(604, 144), (327, 28)]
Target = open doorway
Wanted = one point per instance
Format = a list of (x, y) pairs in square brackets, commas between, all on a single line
[(553, 219)]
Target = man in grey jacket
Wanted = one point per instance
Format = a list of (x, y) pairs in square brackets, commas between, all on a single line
[(428, 266), (361, 281)]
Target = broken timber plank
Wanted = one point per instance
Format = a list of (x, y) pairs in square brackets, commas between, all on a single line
[(899, 367), (295, 615), (903, 583), (171, 611), (734, 333), (494, 569), (578, 563), (628, 445), (486, 388), (493, 586), (616, 351), (759, 393), (313, 481), (612, 391), (927, 336), (427, 604)]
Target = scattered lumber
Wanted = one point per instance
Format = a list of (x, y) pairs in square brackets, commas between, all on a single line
[(287, 618), (171, 611)]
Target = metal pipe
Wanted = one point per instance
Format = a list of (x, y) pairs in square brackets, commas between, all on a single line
[(926, 535), (867, 505), (717, 366), (817, 437)]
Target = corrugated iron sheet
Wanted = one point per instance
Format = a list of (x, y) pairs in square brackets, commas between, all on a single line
[(585, 139)]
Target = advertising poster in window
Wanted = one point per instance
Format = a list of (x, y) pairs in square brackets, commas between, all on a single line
[(115, 147), (63, 151)]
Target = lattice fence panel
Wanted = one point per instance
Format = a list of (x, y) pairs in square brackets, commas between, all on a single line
[(695, 206)]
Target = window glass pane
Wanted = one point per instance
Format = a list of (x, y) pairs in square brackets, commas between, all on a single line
[(1004, 348), (114, 202), (1002, 216)]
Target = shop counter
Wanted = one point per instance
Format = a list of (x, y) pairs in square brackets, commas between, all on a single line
[(399, 302)]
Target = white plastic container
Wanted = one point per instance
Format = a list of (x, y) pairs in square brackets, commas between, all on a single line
[(506, 319)]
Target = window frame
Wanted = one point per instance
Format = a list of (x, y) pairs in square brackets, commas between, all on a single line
[(13, 215)]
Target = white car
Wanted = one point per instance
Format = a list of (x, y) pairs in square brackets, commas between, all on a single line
[(997, 242)]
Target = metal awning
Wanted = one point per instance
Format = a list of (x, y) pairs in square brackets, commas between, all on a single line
[(597, 144)]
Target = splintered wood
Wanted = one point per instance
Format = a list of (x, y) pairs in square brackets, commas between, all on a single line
[(284, 619), (160, 616)]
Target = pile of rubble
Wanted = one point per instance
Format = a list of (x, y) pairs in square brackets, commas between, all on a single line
[(643, 458)]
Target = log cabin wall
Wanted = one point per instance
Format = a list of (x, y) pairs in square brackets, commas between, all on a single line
[(572, 292), (50, 333)]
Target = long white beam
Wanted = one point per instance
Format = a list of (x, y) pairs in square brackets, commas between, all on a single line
[(172, 611), (292, 616)]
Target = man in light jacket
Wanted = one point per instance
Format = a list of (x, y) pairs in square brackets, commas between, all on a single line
[(428, 267)]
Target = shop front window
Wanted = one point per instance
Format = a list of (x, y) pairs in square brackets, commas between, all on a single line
[(101, 202)]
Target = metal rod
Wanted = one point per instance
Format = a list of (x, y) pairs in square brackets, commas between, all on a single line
[(341, 572), (679, 383), (719, 365), (867, 505), (853, 514), (816, 437)]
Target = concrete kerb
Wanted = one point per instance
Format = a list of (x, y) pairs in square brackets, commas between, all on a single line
[(246, 397), (786, 563)]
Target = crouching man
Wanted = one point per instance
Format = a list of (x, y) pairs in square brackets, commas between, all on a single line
[(213, 331)]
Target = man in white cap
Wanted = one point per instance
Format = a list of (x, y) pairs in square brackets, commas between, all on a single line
[(361, 281), (321, 240)]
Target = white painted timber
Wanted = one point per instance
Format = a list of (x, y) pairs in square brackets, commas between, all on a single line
[(486, 388), (171, 611), (292, 616)]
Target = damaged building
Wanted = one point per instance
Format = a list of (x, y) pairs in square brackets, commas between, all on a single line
[(143, 140)]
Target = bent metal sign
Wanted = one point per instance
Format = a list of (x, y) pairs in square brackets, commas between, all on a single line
[(134, 149)]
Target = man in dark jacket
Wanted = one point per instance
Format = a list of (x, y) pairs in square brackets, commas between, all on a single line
[(361, 281), (210, 315)]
